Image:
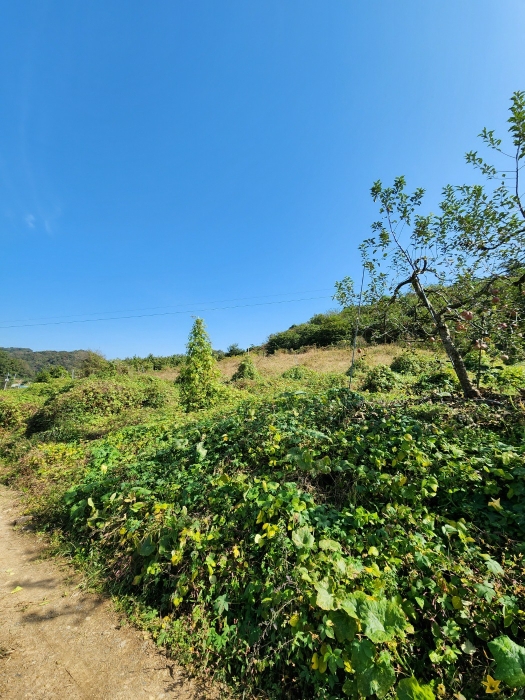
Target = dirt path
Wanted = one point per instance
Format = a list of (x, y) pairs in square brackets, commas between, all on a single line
[(57, 642)]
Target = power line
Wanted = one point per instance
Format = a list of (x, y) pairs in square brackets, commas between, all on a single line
[(166, 313), (166, 306)]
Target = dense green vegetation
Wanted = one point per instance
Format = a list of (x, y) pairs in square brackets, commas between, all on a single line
[(297, 540)]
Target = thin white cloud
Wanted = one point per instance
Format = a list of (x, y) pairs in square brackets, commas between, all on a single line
[(30, 220)]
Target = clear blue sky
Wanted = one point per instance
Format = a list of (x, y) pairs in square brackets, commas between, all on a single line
[(168, 153)]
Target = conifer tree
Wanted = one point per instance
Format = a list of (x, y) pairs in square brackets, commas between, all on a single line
[(199, 376)]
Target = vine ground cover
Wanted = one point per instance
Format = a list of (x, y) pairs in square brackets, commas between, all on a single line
[(312, 544)]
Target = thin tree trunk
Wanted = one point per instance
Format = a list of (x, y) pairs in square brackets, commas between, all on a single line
[(470, 391)]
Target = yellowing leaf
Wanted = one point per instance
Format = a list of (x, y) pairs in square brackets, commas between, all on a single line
[(294, 620), (491, 685), (315, 661), (15, 590), (495, 503), (236, 551), (348, 667), (272, 531), (373, 552), (457, 602), (176, 556)]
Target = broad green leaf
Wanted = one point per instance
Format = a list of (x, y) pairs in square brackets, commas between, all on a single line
[(373, 675), (345, 627), (510, 661), (165, 543), (146, 547), (363, 653), (381, 619), (349, 687), (330, 545), (349, 605), (410, 689), (303, 538), (325, 599)]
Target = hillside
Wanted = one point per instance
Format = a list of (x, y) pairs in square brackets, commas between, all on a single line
[(36, 360)]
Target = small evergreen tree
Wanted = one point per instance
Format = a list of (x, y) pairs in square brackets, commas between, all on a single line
[(199, 375)]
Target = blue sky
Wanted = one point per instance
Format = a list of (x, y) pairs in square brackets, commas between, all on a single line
[(159, 156)]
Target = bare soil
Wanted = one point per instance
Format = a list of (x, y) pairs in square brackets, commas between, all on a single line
[(60, 642)]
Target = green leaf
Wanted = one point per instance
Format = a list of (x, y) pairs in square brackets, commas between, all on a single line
[(165, 543), (349, 687), (330, 545), (363, 653), (510, 661), (485, 590), (468, 648), (410, 689), (381, 619), (77, 511), (494, 568), (325, 599), (146, 547), (372, 675), (303, 538), (345, 627)]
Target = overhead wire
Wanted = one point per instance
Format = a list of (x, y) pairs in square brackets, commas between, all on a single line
[(164, 306), (166, 313)]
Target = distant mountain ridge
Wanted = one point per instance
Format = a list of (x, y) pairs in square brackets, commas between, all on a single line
[(35, 360)]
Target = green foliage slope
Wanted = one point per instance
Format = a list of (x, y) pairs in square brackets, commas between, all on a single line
[(314, 545)]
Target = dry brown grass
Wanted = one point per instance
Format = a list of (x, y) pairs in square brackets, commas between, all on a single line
[(318, 359)]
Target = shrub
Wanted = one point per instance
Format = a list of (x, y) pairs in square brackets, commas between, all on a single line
[(51, 372), (380, 378), (298, 372), (360, 365), (94, 363), (246, 370), (154, 394), (10, 415), (443, 379), (199, 376), (43, 376), (406, 363), (94, 397), (512, 377)]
